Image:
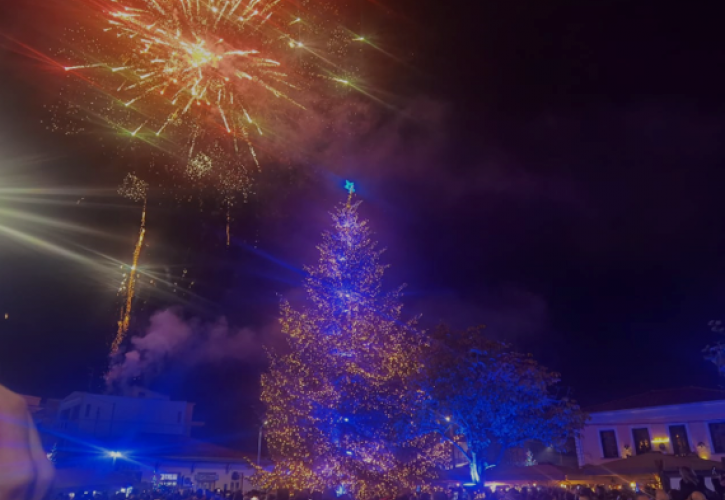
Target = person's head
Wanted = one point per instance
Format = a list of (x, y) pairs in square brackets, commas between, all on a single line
[(696, 495)]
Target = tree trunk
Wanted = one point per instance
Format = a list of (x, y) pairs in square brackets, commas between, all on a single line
[(475, 469)]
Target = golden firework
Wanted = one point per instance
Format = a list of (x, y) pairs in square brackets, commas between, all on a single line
[(204, 67), (135, 189), (199, 166)]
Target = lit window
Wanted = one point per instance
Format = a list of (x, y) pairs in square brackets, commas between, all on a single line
[(679, 440), (642, 443)]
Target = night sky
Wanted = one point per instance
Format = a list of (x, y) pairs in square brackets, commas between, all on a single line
[(552, 169)]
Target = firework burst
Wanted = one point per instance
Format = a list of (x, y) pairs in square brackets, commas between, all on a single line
[(134, 188), (201, 83), (180, 77), (199, 166), (230, 179), (185, 63)]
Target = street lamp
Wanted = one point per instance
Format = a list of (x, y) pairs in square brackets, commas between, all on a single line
[(259, 443), (115, 455)]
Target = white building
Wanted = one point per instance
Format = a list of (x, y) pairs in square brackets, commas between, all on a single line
[(196, 464), (100, 415), (183, 462), (140, 439), (684, 421)]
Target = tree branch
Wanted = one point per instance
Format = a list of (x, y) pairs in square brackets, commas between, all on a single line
[(465, 453)]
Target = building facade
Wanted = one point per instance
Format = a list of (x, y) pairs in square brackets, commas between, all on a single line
[(138, 440), (102, 416), (196, 464), (687, 421), (185, 463)]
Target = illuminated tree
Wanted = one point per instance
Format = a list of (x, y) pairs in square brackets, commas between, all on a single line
[(487, 400), (340, 401)]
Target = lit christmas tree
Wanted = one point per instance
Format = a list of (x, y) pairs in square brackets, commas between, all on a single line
[(339, 404)]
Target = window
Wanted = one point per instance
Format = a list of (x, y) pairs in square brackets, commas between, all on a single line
[(88, 411), (236, 479), (717, 433), (679, 440), (609, 444), (76, 412), (641, 439), (178, 418)]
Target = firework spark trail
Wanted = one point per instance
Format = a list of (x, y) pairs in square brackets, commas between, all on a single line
[(135, 189), (125, 320), (229, 221)]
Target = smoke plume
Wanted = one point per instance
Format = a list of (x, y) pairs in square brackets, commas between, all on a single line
[(172, 338)]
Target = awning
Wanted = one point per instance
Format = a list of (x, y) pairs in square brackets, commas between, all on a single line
[(646, 464), (509, 474)]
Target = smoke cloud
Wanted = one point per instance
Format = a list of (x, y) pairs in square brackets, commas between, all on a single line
[(170, 337)]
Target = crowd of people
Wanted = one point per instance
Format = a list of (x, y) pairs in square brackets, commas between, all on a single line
[(691, 487), (25, 473)]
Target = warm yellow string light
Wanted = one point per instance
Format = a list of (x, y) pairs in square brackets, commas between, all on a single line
[(336, 402), (125, 320)]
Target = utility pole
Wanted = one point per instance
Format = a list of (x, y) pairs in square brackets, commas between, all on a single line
[(259, 443)]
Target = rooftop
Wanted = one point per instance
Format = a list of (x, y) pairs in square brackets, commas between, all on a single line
[(187, 448), (664, 397), (164, 446), (134, 393)]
